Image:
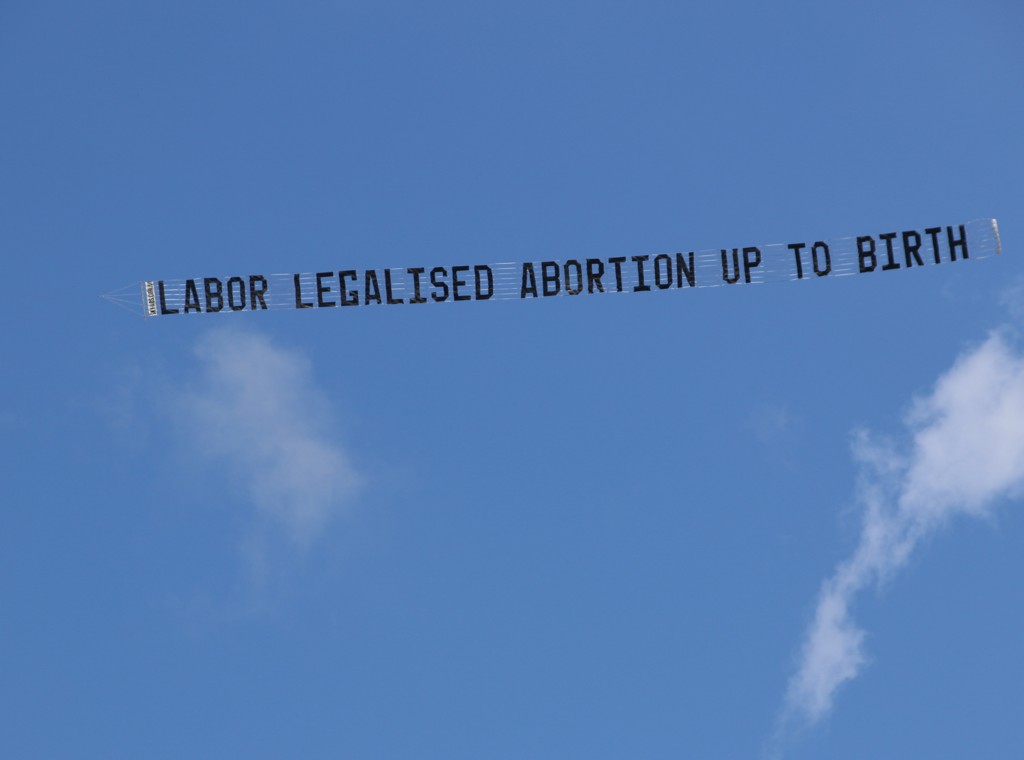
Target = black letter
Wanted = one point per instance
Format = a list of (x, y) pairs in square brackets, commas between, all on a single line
[(256, 294), (663, 264), (568, 279), (529, 281), (682, 267), (640, 286), (618, 262), (595, 270), (457, 283), (321, 289), (213, 295), (299, 304), (348, 297), (911, 249), (241, 294), (892, 263), (751, 259), (443, 285), (550, 279), (371, 288), (191, 297), (954, 244), (821, 271), (480, 295), (796, 248), (416, 272), (387, 288), (735, 265), (163, 302), (863, 254), (933, 232)]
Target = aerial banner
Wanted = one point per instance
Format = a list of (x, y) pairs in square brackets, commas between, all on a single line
[(338, 288)]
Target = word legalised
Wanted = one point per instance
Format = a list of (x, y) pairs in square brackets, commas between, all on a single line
[(861, 254)]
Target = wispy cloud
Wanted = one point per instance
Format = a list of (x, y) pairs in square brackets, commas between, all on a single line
[(965, 453), (256, 410)]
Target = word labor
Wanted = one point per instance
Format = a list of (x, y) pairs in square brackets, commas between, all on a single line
[(216, 294)]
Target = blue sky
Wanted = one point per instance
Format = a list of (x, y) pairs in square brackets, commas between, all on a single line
[(598, 527)]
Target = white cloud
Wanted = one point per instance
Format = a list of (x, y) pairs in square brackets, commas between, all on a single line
[(257, 410), (966, 452)]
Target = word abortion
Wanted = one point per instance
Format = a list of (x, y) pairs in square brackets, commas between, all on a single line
[(805, 260)]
